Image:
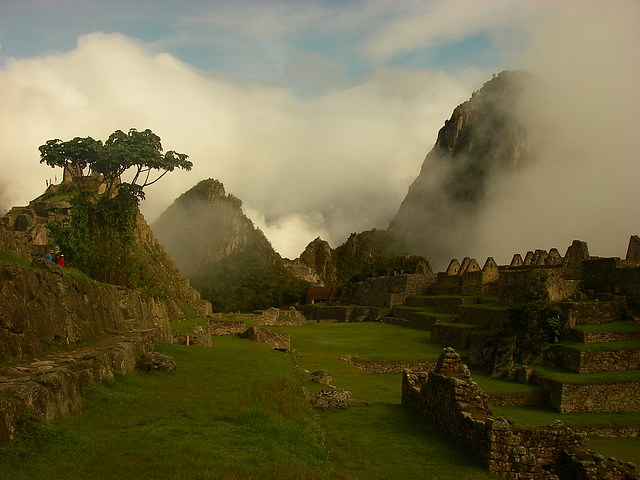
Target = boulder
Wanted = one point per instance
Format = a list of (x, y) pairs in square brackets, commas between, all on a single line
[(321, 376), (156, 361), (333, 397)]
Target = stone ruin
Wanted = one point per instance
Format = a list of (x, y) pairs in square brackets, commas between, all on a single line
[(331, 397), (448, 397), (276, 316), (562, 277), (276, 341)]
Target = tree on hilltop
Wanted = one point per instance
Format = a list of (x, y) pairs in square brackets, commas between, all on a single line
[(99, 235), (137, 152)]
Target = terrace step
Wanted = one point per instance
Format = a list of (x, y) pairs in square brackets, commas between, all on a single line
[(420, 316), (444, 304), (456, 335), (608, 332), (489, 316), (606, 357)]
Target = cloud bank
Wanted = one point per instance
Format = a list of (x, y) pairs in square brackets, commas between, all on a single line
[(322, 166), (582, 121), (315, 144)]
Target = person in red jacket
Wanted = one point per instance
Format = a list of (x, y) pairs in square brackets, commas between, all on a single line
[(61, 260)]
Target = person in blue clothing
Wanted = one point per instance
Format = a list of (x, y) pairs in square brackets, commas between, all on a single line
[(47, 256)]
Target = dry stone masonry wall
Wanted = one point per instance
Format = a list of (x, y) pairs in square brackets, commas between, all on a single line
[(448, 397)]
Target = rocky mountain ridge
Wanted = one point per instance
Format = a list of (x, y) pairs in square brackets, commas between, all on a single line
[(483, 138)]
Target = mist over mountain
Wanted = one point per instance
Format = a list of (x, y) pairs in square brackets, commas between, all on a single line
[(483, 139), (205, 225)]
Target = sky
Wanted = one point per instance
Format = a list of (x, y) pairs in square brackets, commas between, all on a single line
[(319, 114)]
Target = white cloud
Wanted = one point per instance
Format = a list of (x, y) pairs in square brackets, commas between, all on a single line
[(328, 165), (438, 22), (583, 123)]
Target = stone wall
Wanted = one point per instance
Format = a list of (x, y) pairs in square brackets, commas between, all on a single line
[(336, 313), (275, 316), (488, 318), (590, 361), (591, 397), (448, 397), (604, 336), (453, 334), (416, 318), (227, 327), (608, 309), (389, 366), (388, 291), (447, 305), (514, 284), (40, 308)]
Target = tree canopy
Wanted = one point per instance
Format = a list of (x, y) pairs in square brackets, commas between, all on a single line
[(137, 153)]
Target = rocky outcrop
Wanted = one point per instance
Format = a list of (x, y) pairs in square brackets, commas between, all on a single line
[(23, 233), (332, 397), (320, 260), (40, 309), (47, 389), (483, 138), (175, 289), (154, 361)]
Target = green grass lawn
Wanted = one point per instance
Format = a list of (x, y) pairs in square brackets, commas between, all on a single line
[(605, 346), (391, 442), (230, 412), (234, 411), (625, 449), (320, 346)]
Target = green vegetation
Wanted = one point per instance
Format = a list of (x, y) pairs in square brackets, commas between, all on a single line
[(232, 412), (375, 253), (237, 411), (98, 237), (7, 259), (248, 281), (543, 415), (140, 153), (393, 442), (498, 386), (625, 449)]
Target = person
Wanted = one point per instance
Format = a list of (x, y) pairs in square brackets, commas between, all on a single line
[(47, 256), (61, 260)]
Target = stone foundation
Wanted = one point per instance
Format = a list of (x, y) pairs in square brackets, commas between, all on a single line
[(226, 327), (391, 366), (453, 334)]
